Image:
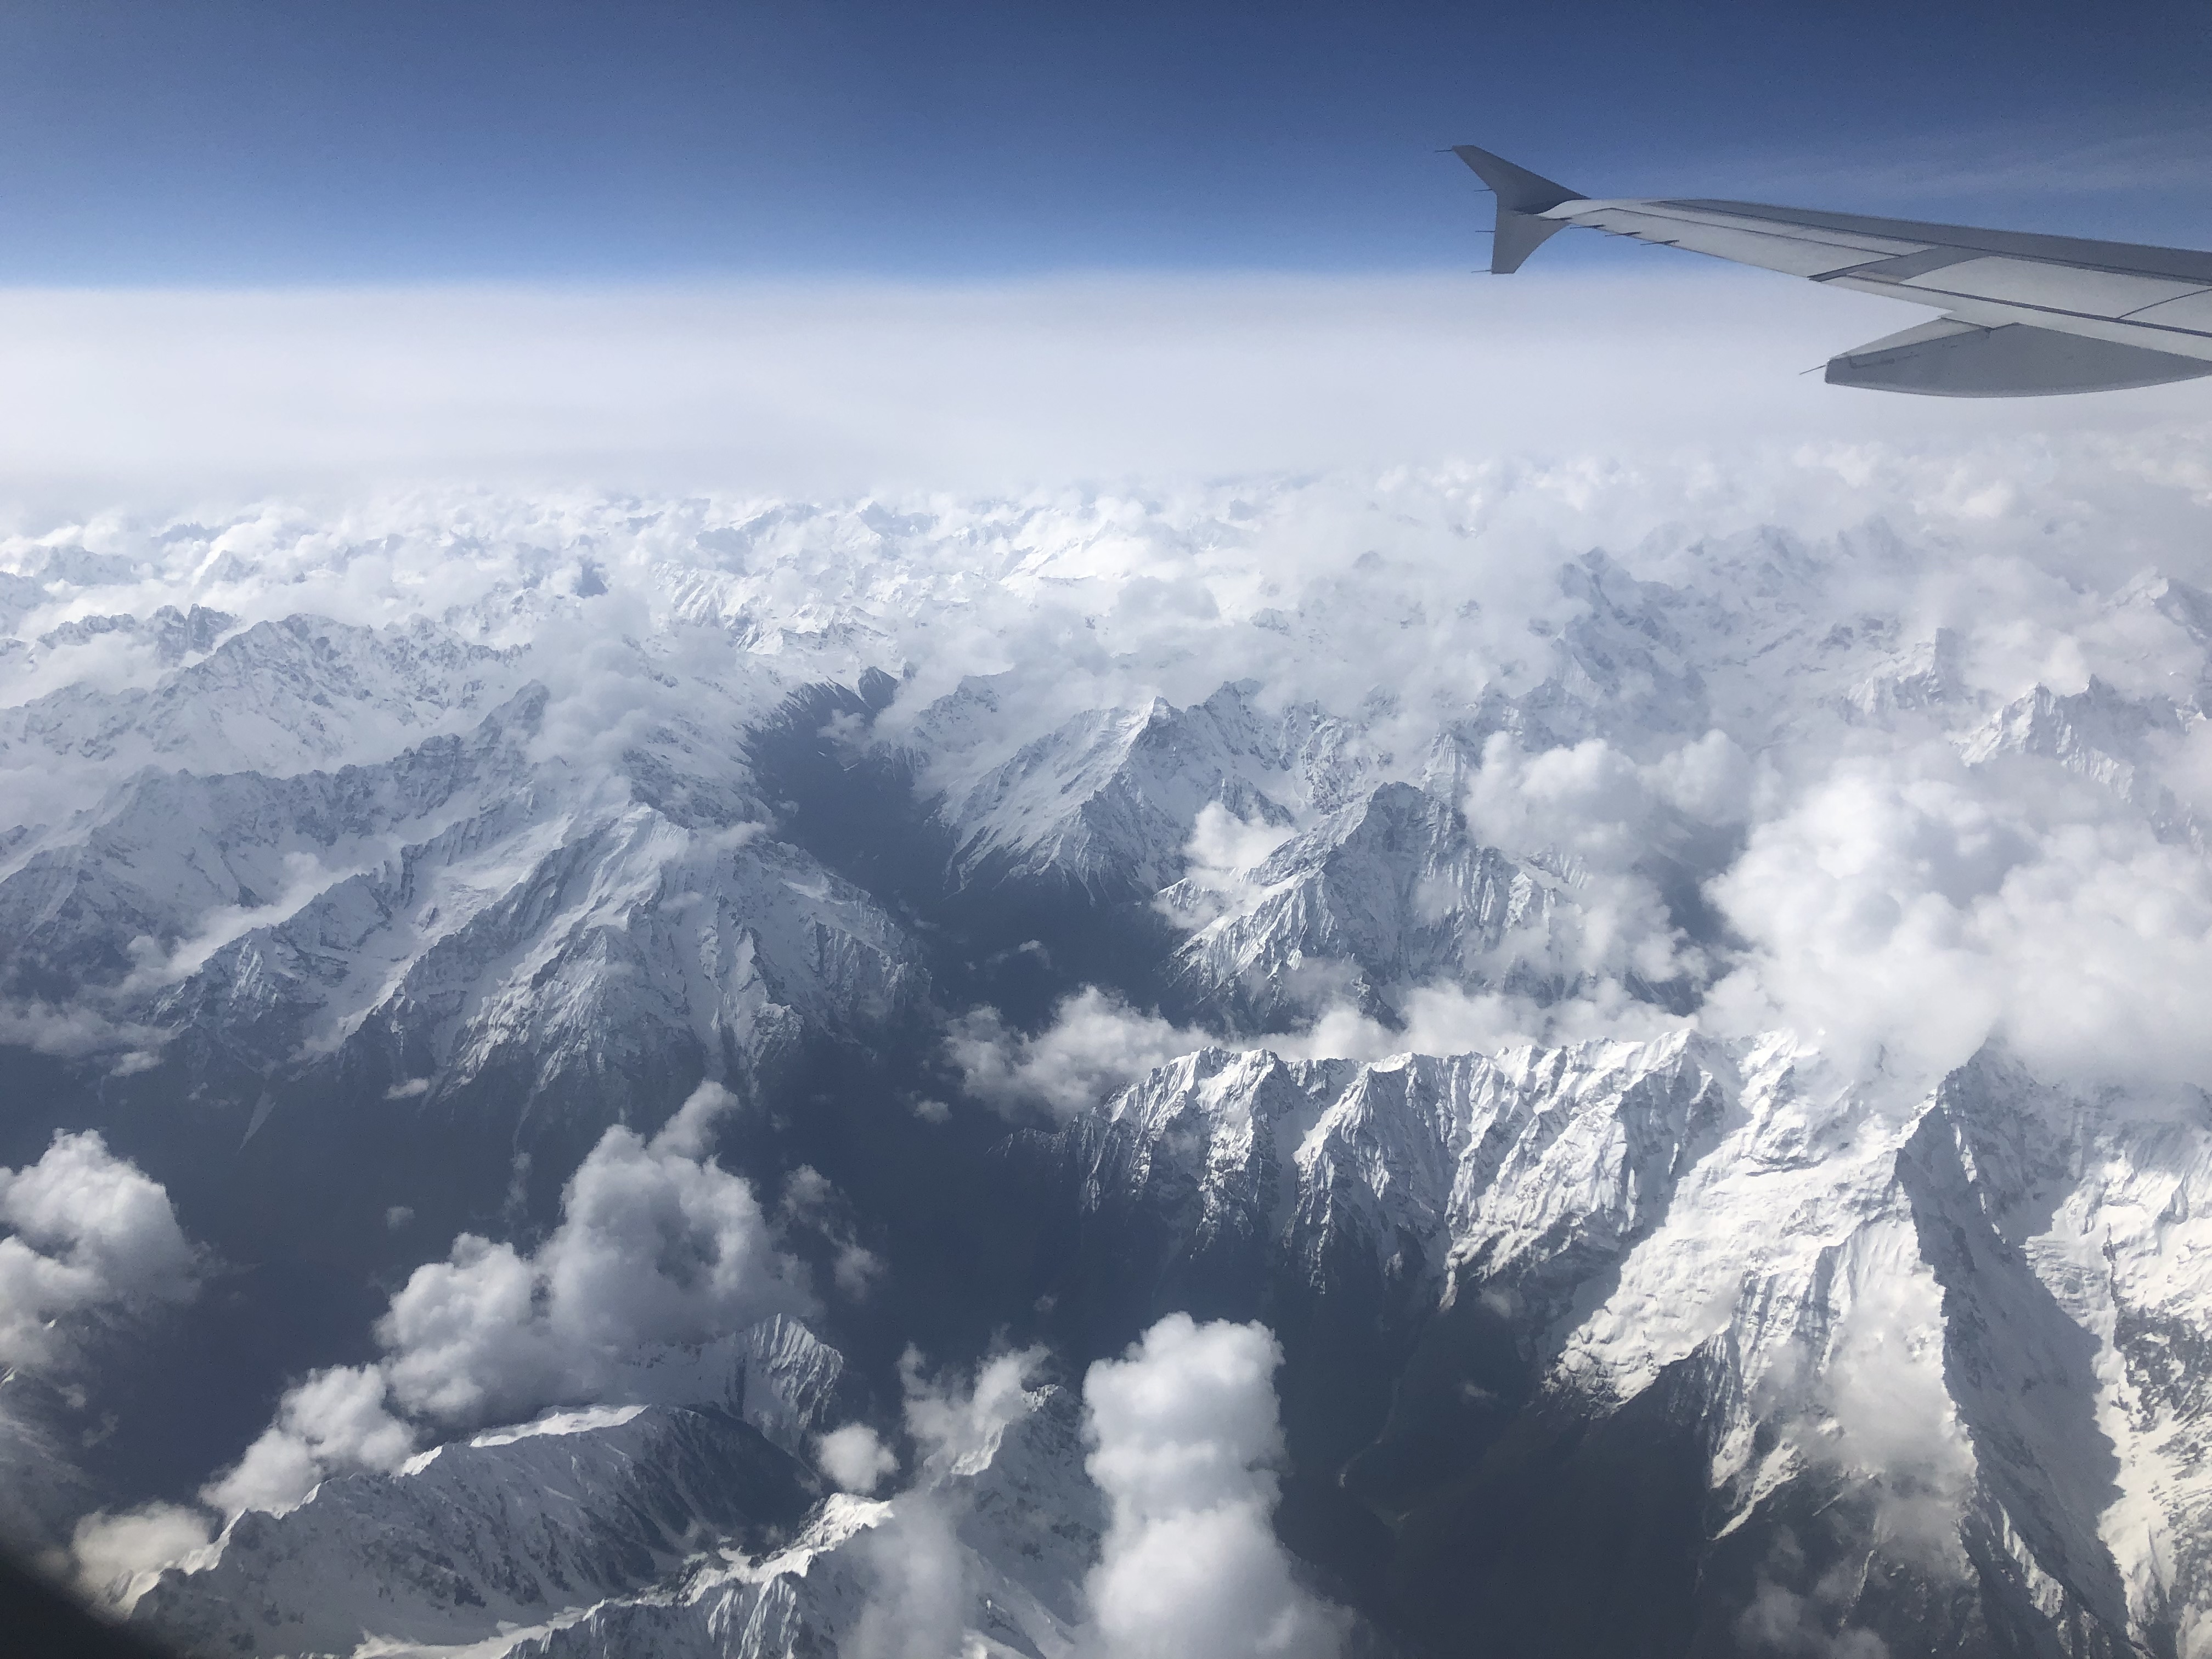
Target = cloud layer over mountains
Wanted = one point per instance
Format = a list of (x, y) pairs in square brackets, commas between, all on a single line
[(658, 1245), (1894, 845), (1896, 751)]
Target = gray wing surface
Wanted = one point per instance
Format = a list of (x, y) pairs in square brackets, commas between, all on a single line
[(2023, 315)]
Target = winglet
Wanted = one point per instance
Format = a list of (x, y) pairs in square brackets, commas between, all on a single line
[(1522, 196)]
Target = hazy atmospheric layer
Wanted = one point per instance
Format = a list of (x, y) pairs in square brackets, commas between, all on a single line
[(1804, 777), (830, 389)]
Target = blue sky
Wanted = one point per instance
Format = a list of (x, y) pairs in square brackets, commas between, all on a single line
[(223, 144)]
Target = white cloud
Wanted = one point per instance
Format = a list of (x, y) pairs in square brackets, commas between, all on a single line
[(657, 1243), (1448, 1019), (856, 1458), (1591, 811), (1095, 1044), (1222, 845), (1909, 907), (336, 1420), (958, 1422), (1185, 1444), (1598, 806), (155, 965), (812, 1202), (114, 1554), (75, 1032), (1781, 1622), (868, 385), (89, 1234), (91, 1248), (921, 1591)]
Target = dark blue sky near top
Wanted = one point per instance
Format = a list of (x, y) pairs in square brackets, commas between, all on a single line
[(155, 142)]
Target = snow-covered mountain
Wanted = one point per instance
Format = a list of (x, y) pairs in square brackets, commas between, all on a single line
[(1389, 893), (477, 901), (1693, 1050), (511, 1530), (1957, 1316), (1012, 1522), (523, 1527), (692, 1528), (1106, 800)]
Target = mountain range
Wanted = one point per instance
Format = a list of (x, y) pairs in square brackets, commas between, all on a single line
[(699, 1055)]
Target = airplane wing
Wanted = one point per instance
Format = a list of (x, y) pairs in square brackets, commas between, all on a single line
[(2023, 315)]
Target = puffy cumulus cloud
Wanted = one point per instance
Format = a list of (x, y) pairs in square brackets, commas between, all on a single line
[(958, 1422), (1094, 1044), (1596, 804), (1607, 822), (1911, 907), (90, 1235), (1223, 846), (91, 1248), (657, 1243), (856, 1458), (1185, 1441), (114, 1556), (336, 1420)]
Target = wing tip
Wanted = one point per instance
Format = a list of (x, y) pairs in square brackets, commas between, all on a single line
[(1518, 190), (1523, 196)]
